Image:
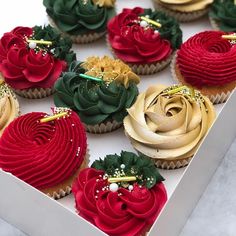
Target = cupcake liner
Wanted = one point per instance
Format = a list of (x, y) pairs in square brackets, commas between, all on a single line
[(103, 127), (34, 93), (66, 189), (172, 164), (215, 99), (214, 23), (181, 16), (144, 69), (85, 38)]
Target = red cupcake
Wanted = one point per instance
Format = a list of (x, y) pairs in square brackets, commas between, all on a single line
[(32, 59), (46, 152), (121, 195), (144, 39)]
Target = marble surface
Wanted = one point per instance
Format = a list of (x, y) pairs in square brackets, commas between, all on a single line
[(215, 213)]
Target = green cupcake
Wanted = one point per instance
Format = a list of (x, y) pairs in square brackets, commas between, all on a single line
[(223, 15), (100, 104), (83, 20)]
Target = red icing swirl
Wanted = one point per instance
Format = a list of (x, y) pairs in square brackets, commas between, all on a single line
[(22, 67), (123, 213), (207, 59), (134, 44), (43, 154)]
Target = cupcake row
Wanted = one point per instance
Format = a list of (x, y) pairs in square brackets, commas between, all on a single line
[(120, 194)]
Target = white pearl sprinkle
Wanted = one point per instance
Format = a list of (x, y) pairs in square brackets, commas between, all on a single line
[(131, 187), (143, 24), (32, 45), (156, 31), (122, 166), (113, 187)]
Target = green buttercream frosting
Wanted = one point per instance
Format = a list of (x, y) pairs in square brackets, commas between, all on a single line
[(78, 17), (95, 102), (130, 164), (61, 46), (169, 30), (224, 12)]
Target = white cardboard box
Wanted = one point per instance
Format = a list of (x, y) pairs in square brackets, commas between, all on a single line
[(38, 215)]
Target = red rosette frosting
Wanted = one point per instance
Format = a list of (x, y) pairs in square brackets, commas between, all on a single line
[(43, 154), (123, 213), (134, 44), (24, 68), (206, 59)]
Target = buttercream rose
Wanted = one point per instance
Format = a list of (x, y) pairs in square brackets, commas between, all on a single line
[(13, 39), (125, 212), (136, 43), (24, 65), (168, 127)]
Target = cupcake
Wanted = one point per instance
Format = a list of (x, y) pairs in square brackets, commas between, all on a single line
[(46, 152), (144, 39), (32, 59), (9, 106), (206, 62), (184, 10), (121, 195), (84, 21), (168, 124), (223, 15), (99, 90)]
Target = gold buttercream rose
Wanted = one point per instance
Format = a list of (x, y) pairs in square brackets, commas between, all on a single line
[(109, 70), (168, 126), (9, 107)]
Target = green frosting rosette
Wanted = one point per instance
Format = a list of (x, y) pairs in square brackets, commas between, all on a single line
[(79, 17), (61, 47), (170, 28), (99, 90), (224, 13)]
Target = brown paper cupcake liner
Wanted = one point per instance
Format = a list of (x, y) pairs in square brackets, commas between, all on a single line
[(181, 16), (34, 93), (86, 38), (63, 189), (214, 23), (144, 69), (103, 127), (172, 164), (214, 98)]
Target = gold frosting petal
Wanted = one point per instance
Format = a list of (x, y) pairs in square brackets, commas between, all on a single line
[(110, 70)]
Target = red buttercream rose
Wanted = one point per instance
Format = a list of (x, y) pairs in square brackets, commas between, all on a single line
[(123, 213), (206, 59), (24, 68), (43, 154), (133, 43)]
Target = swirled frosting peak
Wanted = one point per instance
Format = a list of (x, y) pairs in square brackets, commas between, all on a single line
[(78, 17), (224, 12), (124, 208), (9, 106), (134, 40), (207, 59), (164, 124), (43, 154)]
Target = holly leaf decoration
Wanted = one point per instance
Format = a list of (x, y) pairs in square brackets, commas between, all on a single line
[(140, 166)]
